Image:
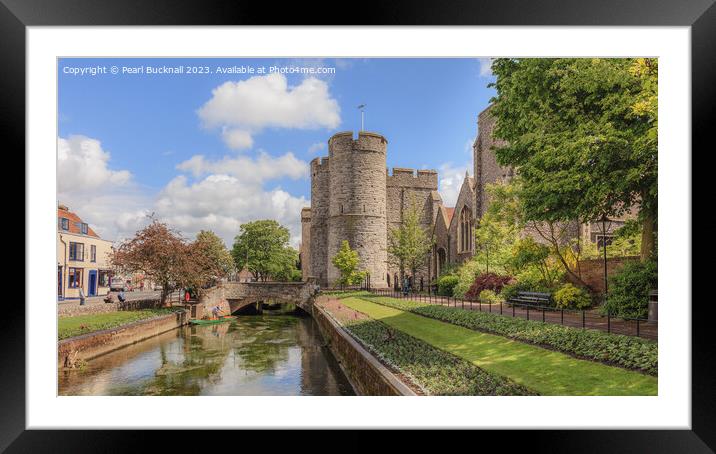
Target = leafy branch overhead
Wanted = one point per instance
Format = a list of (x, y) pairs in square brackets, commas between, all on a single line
[(582, 135)]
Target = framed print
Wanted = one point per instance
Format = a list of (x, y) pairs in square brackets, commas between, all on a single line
[(407, 217)]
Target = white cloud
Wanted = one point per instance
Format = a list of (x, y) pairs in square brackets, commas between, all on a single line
[(258, 170), (108, 200), (246, 107), (316, 147), (82, 165), (222, 203), (450, 181), (228, 192), (237, 139), (485, 66)]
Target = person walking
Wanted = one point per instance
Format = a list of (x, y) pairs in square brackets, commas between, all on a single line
[(120, 296), (82, 297), (405, 286)]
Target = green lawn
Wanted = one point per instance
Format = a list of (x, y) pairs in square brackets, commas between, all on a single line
[(545, 371), (83, 324)]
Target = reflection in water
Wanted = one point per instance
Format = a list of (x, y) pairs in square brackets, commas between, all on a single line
[(254, 355)]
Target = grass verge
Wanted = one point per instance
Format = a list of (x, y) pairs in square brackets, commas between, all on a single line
[(434, 371), (82, 324), (545, 371), (614, 349)]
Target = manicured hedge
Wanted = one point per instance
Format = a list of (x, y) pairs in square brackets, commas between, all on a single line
[(625, 351), (435, 371)]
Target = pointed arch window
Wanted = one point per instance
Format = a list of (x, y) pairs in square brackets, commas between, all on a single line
[(464, 239)]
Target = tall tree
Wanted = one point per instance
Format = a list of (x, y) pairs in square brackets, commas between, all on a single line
[(409, 244), (346, 260), (210, 250), (263, 248), (581, 134), (161, 254)]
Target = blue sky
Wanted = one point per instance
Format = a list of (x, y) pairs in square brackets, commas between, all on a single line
[(192, 147)]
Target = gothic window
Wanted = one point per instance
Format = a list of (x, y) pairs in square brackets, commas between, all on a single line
[(464, 237), (441, 261)]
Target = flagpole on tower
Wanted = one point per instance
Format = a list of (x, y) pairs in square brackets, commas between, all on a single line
[(362, 116)]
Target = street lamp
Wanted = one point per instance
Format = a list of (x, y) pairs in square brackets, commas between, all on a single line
[(604, 246)]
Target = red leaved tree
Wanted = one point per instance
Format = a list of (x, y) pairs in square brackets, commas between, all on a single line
[(162, 255)]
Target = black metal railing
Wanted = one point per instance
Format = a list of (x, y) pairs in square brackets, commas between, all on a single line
[(576, 318)]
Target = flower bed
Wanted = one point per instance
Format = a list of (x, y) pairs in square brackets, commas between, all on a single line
[(436, 372), (624, 351)]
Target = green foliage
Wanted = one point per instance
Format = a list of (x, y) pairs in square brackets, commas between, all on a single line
[(569, 296), (490, 297), (626, 243), (629, 290), (530, 259), (582, 132), (437, 372), (625, 351), (341, 294), (215, 250), (409, 244), (346, 260), (446, 284), (466, 275), (262, 247)]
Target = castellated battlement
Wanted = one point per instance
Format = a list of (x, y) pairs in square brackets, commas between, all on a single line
[(411, 178), (343, 142)]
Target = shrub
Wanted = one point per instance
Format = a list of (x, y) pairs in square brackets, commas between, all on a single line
[(625, 351), (486, 281), (569, 296), (437, 372), (466, 275), (629, 289), (490, 297), (446, 284)]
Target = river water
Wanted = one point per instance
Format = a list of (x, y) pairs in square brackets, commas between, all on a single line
[(269, 354)]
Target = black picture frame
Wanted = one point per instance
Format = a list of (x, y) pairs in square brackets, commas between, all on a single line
[(700, 15)]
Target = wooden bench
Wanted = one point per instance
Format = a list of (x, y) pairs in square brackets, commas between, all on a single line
[(531, 298)]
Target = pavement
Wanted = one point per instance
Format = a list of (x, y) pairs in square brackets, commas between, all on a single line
[(130, 296)]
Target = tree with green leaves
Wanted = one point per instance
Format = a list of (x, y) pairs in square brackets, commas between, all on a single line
[(346, 261), (581, 133), (410, 243), (215, 250), (263, 248)]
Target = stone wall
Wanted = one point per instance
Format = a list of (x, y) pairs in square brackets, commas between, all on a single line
[(357, 202), (91, 345), (592, 270), (367, 375), (403, 188), (232, 296), (305, 249), (486, 168), (318, 234)]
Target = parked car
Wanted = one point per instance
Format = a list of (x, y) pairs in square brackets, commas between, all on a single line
[(117, 283)]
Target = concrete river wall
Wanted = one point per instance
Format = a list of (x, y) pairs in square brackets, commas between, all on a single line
[(91, 345), (368, 376)]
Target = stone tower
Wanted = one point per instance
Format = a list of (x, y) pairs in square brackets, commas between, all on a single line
[(318, 233), (356, 203)]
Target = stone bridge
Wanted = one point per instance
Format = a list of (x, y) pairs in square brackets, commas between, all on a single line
[(232, 296)]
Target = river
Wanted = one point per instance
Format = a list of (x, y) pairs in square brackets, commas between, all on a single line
[(269, 354)]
